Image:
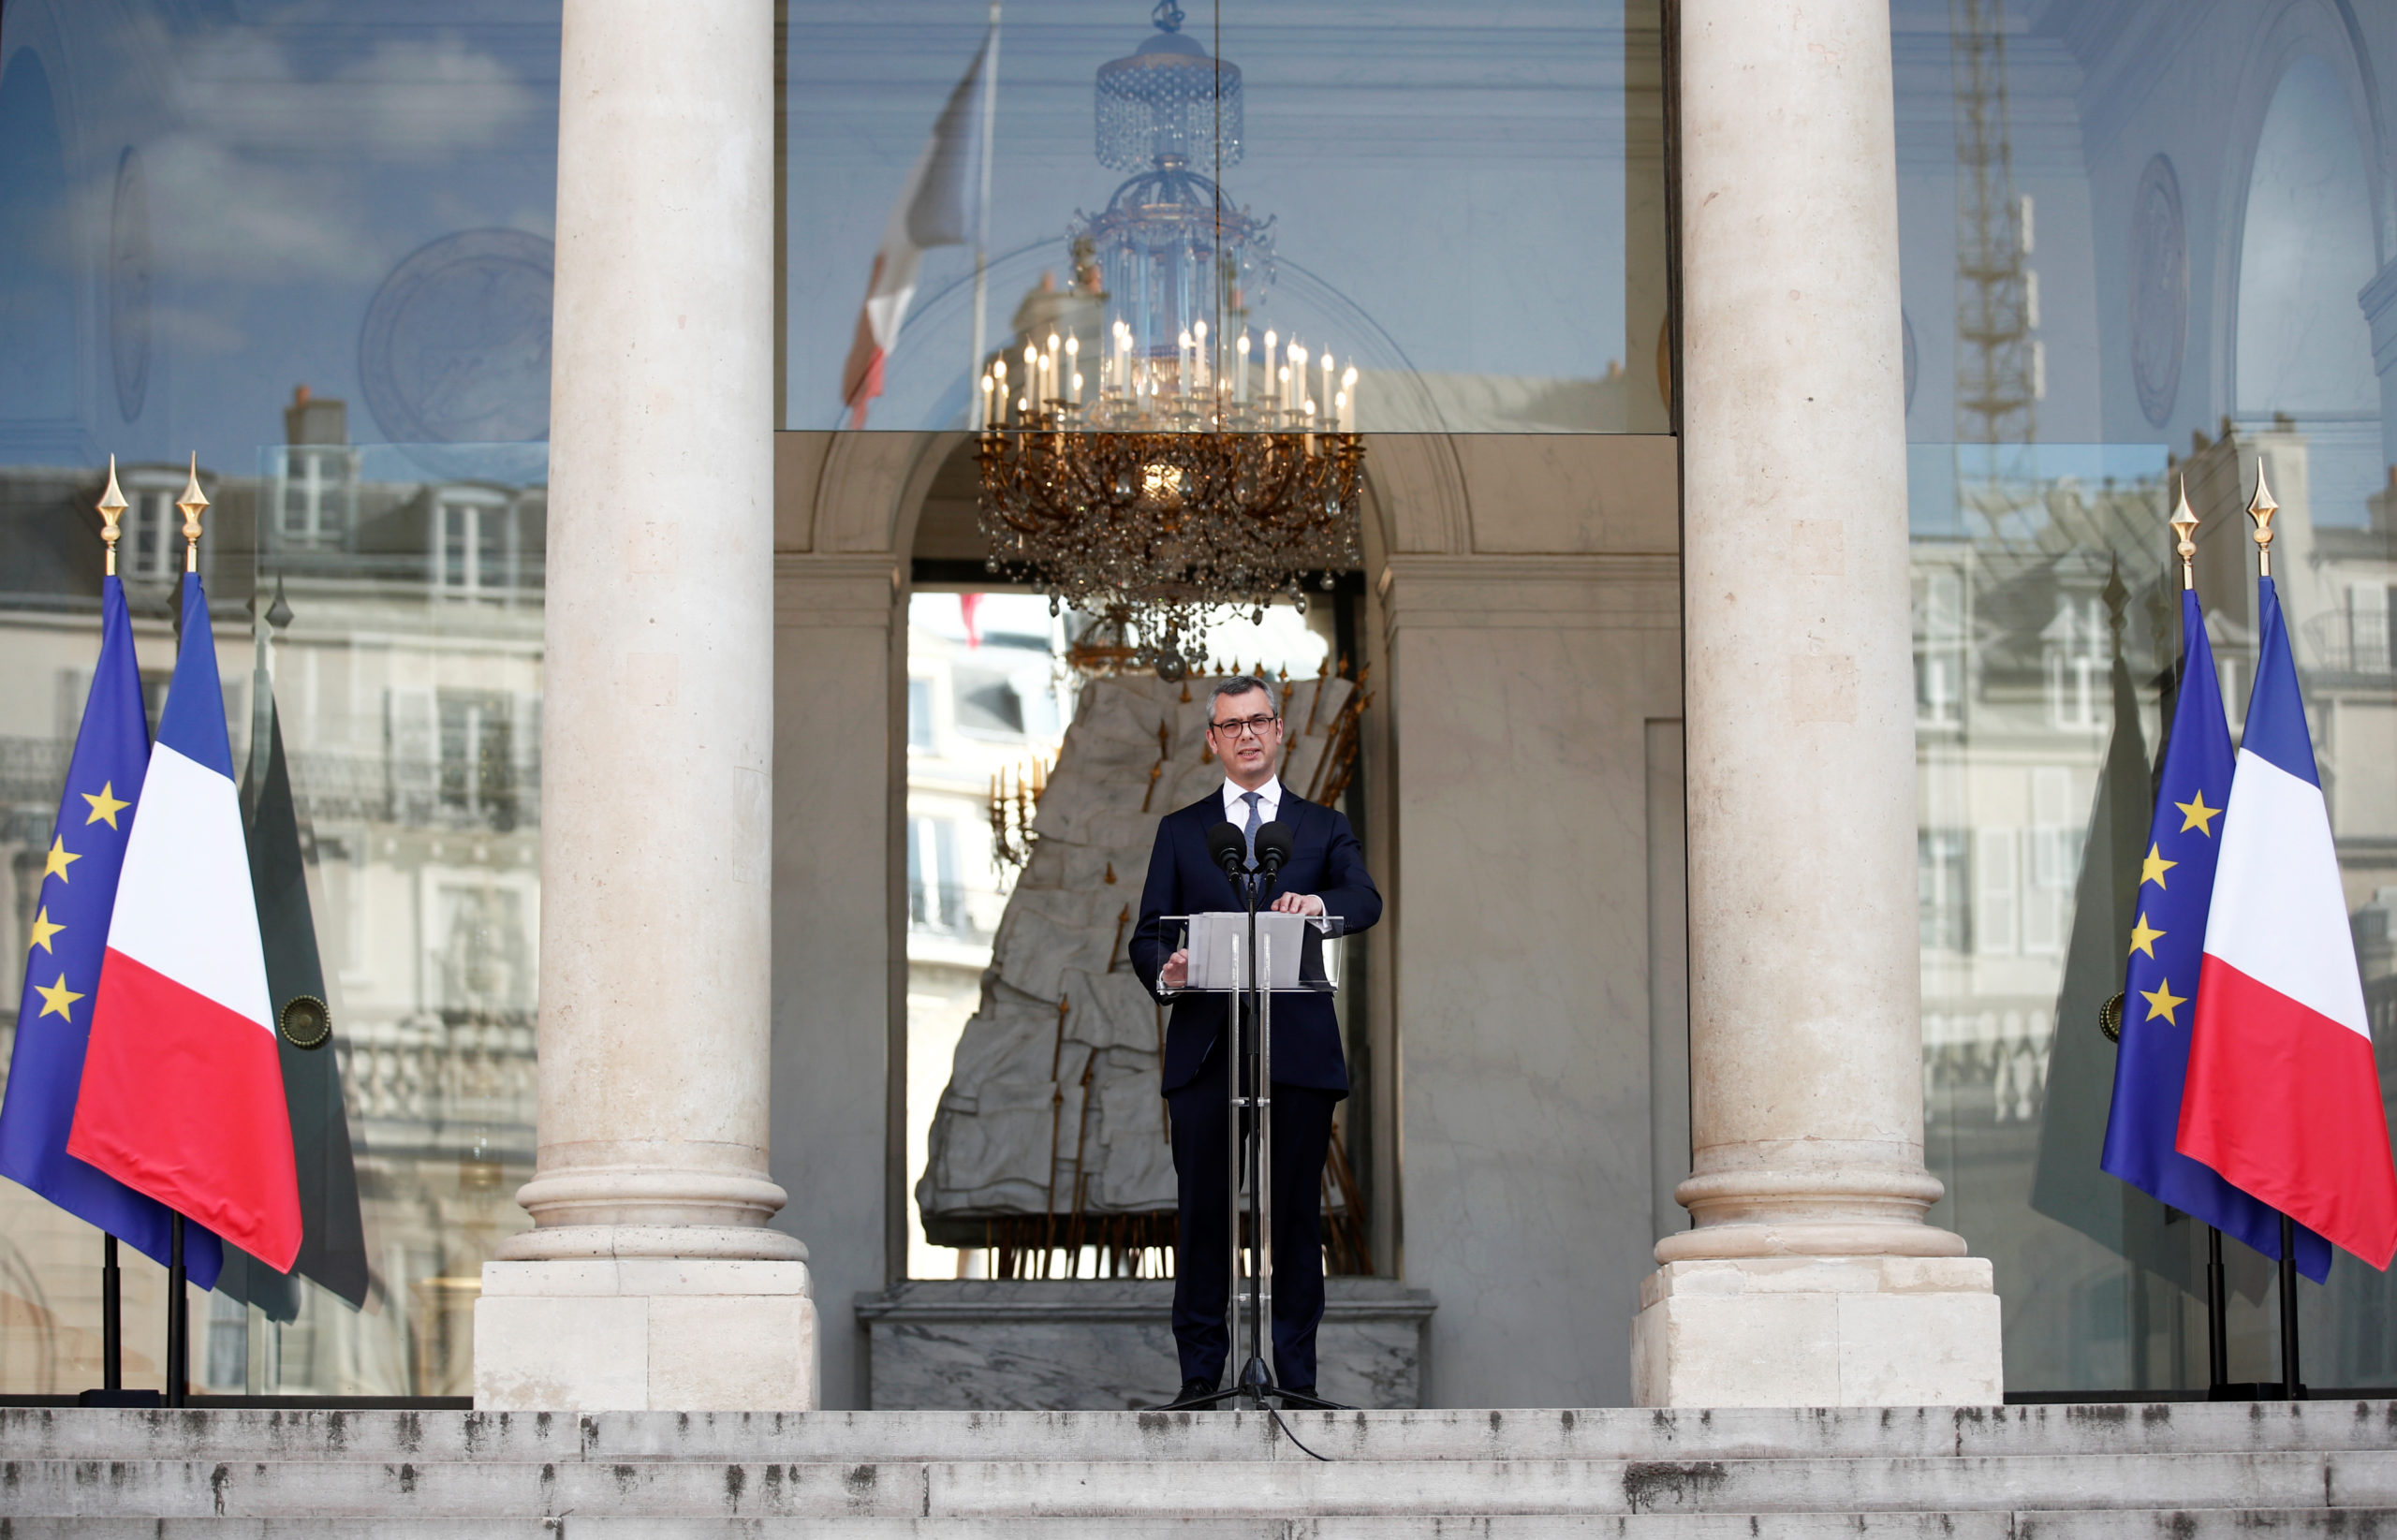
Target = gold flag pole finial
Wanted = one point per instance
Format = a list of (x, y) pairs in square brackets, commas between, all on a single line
[(2262, 507), (194, 503), (2185, 524), (112, 506)]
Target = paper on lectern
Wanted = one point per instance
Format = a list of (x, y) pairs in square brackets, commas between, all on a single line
[(1218, 942)]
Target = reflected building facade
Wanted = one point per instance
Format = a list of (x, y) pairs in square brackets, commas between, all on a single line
[(407, 681)]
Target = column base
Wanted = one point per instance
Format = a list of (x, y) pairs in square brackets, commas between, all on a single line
[(644, 1333), (1818, 1331)]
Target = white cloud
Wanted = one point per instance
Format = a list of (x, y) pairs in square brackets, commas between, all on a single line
[(269, 168)]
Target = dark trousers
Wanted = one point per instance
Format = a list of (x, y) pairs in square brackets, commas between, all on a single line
[(1302, 1134)]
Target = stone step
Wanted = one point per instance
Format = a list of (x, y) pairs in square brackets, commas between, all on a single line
[(1610, 1433), (1173, 1489), (1985, 1524)]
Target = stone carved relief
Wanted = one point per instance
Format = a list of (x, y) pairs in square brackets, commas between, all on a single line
[(456, 345), (2159, 290), (128, 284)]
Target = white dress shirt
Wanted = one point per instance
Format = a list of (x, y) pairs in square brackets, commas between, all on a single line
[(1269, 803)]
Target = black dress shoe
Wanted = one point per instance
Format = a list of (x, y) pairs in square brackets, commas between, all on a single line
[(1193, 1392)]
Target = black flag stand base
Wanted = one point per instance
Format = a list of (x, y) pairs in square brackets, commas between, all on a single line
[(112, 1392), (178, 1318), (2292, 1383), (2218, 1323), (2219, 1387), (112, 1320)]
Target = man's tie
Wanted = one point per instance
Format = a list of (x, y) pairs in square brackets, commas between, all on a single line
[(1251, 798)]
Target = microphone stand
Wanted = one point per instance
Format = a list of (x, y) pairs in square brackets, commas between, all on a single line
[(1253, 1156), (1251, 1380)]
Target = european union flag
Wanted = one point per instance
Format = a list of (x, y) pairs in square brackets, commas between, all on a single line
[(63, 970), (2167, 946)]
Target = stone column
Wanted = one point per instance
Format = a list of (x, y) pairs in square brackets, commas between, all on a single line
[(1810, 1277), (650, 1278)]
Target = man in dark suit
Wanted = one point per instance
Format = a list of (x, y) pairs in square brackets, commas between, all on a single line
[(1324, 876)]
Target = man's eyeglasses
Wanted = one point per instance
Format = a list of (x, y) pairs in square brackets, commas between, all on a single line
[(1246, 726)]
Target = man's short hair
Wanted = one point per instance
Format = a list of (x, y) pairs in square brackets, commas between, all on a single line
[(1239, 684)]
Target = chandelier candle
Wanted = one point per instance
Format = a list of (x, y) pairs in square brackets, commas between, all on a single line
[(1165, 497)]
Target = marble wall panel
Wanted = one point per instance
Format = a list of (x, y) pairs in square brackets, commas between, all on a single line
[(1523, 690), (831, 1120), (1107, 1345)]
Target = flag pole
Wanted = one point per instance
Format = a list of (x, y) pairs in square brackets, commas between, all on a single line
[(2260, 508), (982, 208), (192, 503), (2185, 530), (111, 1317), (111, 509), (2292, 1384), (178, 1316), (2217, 1320)]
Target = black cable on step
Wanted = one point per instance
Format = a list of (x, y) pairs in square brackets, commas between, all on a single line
[(1275, 1414)]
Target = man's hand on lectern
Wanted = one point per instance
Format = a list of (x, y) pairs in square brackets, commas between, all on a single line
[(1176, 972), (1297, 903)]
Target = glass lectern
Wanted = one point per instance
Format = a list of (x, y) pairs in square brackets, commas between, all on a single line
[(1252, 957)]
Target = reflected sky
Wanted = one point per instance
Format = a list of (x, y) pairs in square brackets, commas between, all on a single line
[(1447, 187), (240, 185)]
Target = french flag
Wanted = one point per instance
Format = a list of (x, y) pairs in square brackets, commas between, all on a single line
[(2283, 1097), (940, 205), (183, 1084)]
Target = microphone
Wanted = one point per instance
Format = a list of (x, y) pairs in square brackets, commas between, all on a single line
[(1229, 848), (1274, 845)]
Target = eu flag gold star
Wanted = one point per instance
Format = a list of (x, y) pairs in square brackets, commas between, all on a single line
[(105, 807), (55, 999), (55, 865), (2152, 869), (2161, 1000), (43, 928), (2143, 936), (2196, 814)]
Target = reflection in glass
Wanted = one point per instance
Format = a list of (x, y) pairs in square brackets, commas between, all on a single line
[(2073, 208), (1466, 206), (355, 202)]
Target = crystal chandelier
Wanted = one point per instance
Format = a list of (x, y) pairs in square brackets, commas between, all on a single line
[(1179, 463)]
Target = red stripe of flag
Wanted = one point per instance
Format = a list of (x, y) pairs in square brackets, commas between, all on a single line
[(208, 1094), (2279, 1094)]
